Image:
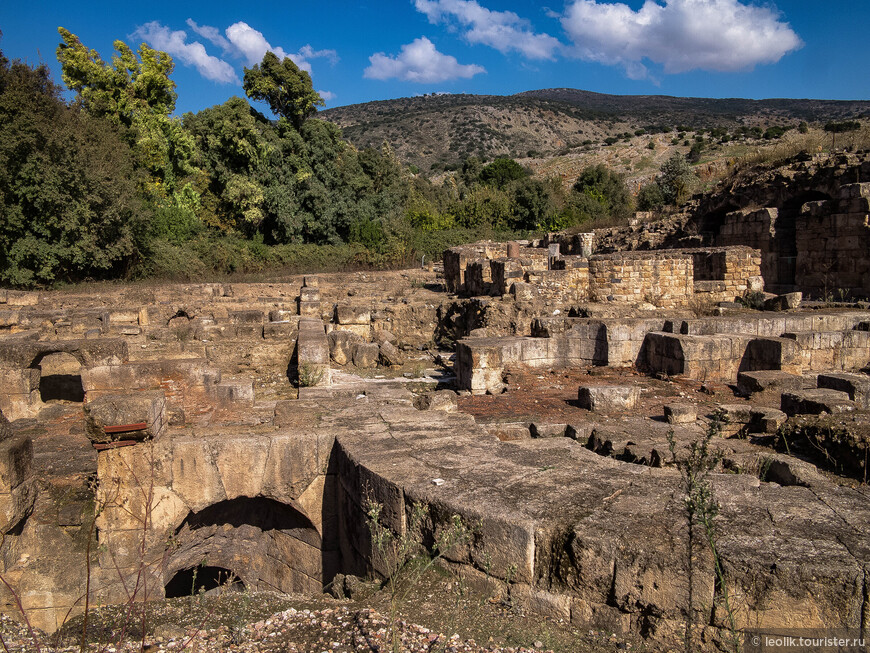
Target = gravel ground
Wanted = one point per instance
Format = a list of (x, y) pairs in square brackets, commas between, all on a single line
[(338, 630)]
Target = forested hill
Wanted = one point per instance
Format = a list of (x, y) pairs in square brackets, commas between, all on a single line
[(437, 132)]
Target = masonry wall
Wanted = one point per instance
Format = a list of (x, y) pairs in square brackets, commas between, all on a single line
[(833, 242), (662, 278)]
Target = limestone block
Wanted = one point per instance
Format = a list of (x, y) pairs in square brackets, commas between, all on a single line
[(767, 420), (365, 355), (786, 302), (107, 411), (311, 282), (548, 430), (816, 402), (608, 397), (443, 400), (341, 345), (19, 381), (284, 330), (767, 380), (16, 460), (681, 413), (389, 355), (309, 308), (309, 294), (857, 386), (195, 476), (312, 345), (524, 292), (241, 463), (16, 504), (347, 314), (382, 335), (22, 298), (235, 391)]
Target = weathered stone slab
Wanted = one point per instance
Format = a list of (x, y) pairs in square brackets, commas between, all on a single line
[(857, 386), (104, 414), (608, 397), (816, 402), (768, 380), (681, 413)]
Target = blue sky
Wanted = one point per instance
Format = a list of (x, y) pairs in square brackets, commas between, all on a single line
[(358, 52)]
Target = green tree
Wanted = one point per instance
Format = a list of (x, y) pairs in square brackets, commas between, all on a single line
[(139, 96), (119, 90), (835, 128), (607, 188), (676, 179), (236, 147), (501, 172), (67, 186), (285, 87), (649, 197)]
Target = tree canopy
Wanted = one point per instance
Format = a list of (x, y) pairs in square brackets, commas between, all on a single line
[(285, 87), (67, 185)]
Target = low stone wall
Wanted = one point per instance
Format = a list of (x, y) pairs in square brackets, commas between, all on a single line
[(662, 278)]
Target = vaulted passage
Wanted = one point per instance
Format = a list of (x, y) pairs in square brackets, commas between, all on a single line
[(60, 378), (266, 544), (203, 578)]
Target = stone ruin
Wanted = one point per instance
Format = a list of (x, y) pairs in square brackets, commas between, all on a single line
[(249, 425)]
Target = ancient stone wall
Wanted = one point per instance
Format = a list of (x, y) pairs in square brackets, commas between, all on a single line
[(664, 279), (833, 238)]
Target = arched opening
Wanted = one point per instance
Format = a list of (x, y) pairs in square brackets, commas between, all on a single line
[(266, 544), (202, 578), (60, 378)]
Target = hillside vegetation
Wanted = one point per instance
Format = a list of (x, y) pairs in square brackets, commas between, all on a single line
[(437, 132)]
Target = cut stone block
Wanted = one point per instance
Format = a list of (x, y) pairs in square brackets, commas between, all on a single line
[(764, 380), (365, 355), (681, 413), (311, 282), (608, 397), (309, 308), (235, 390), (16, 460), (816, 402), (309, 295), (341, 346), (443, 400), (548, 430), (767, 420), (389, 355), (143, 412), (857, 386), (345, 314), (247, 317), (786, 302), (524, 292)]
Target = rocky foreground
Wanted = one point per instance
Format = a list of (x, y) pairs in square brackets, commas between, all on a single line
[(340, 630)]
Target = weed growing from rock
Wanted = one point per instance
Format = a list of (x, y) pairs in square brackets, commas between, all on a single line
[(700, 509)]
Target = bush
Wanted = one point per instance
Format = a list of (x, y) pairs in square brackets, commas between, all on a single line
[(650, 198)]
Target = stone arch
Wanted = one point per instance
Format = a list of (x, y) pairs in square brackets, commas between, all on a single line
[(267, 544)]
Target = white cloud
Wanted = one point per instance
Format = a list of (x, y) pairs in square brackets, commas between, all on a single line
[(175, 43), (252, 45), (502, 30), (212, 34), (328, 96), (682, 35), (419, 61)]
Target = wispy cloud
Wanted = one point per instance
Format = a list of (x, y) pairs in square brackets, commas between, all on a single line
[(503, 30), (681, 35), (239, 40), (193, 54), (419, 61), (328, 96)]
